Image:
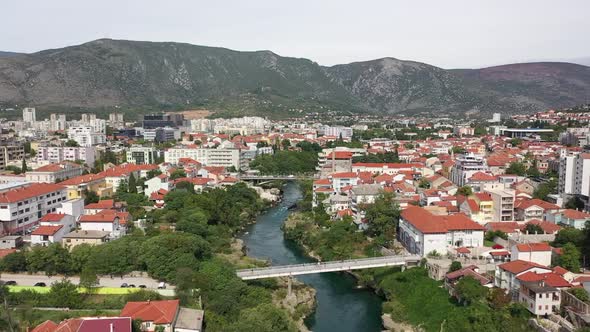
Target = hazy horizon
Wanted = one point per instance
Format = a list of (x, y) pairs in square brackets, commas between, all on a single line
[(455, 34)]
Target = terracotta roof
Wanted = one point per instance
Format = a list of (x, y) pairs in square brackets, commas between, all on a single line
[(468, 271), (481, 176), (159, 312), (483, 197), (99, 217), (560, 270), (56, 167), (91, 324), (386, 165), (339, 155), (463, 250), (529, 247), (33, 190), (322, 182), (575, 214), (6, 252), (46, 326), (473, 206), (551, 279), (102, 204), (500, 253), (344, 175), (47, 230), (53, 217), (548, 227), (426, 222), (527, 203), (504, 226), (519, 266)]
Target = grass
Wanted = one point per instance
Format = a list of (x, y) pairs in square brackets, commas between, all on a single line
[(98, 291), (488, 243)]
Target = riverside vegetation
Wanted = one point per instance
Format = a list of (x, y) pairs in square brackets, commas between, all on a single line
[(192, 257), (411, 296)]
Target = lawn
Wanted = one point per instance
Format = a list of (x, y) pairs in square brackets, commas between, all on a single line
[(488, 243), (98, 290)]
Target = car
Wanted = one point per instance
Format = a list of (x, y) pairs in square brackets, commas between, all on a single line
[(162, 285), (131, 286), (124, 285), (40, 284), (10, 283), (142, 286)]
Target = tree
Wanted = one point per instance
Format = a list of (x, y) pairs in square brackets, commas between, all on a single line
[(4, 295), (465, 191), (490, 235), (545, 189), (123, 187), (516, 168), (72, 143), (581, 294), (90, 197), (574, 203), (64, 294), (533, 229), (262, 318), (424, 183), (498, 298), (383, 217), (285, 144), (88, 278), (24, 167), (533, 171), (469, 290), (458, 150), (515, 142), (132, 184), (455, 266), (14, 262), (153, 173), (570, 257), (568, 235), (177, 174)]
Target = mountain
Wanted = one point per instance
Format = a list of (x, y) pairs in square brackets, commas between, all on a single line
[(8, 54), (108, 73)]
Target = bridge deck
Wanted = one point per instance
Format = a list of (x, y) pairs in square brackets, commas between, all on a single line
[(321, 267)]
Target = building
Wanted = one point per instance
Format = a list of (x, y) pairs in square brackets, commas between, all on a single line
[(465, 166), (44, 235), (21, 208), (496, 118), (539, 253), (207, 157), (11, 242), (54, 173), (506, 274), (57, 122), (159, 135), (105, 221), (165, 315), (29, 115), (59, 154), (503, 203), (12, 152), (530, 209), (524, 132), (87, 324), (423, 233), (152, 121), (116, 120), (338, 131), (568, 172), (570, 218), (539, 298), (141, 155), (86, 136), (89, 237), (479, 207)]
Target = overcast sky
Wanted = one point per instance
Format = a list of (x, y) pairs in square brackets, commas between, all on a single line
[(446, 33)]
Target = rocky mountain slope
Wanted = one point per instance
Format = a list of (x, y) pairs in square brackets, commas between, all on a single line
[(105, 73)]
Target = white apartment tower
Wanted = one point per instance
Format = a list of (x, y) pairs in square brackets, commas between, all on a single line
[(29, 115)]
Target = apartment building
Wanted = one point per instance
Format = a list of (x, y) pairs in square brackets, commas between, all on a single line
[(59, 154), (21, 208), (503, 203), (465, 167), (53, 173), (141, 155), (12, 152), (86, 136), (207, 157)]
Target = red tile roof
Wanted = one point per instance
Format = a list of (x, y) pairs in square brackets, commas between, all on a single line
[(344, 175), (481, 176), (426, 222), (322, 182), (529, 247), (102, 204), (6, 252), (47, 230), (527, 203), (159, 312), (52, 217), (35, 189), (342, 155), (500, 253), (548, 227), (387, 165), (504, 226), (519, 266), (551, 279), (99, 217), (575, 214), (46, 326)]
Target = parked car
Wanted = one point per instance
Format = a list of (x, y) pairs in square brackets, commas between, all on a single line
[(131, 286), (124, 285), (40, 284), (10, 283), (142, 286), (162, 285)]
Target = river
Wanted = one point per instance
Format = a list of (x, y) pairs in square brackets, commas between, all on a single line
[(340, 306)]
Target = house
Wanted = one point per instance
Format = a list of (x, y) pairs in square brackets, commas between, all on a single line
[(11, 242), (508, 227), (158, 198), (546, 226), (90, 237), (452, 278), (157, 183), (506, 273), (103, 221), (103, 204), (421, 232), (528, 209), (569, 217), (539, 298), (539, 253), (340, 180), (87, 324), (58, 219), (166, 315), (53, 173), (479, 207), (44, 235)]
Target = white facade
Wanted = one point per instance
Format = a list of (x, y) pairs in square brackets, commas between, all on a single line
[(345, 132), (531, 255), (141, 155), (86, 136), (465, 167), (57, 154), (29, 115), (503, 203), (207, 157)]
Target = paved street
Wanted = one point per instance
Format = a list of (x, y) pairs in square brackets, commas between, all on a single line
[(32, 279)]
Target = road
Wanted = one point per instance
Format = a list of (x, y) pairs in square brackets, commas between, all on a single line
[(32, 279)]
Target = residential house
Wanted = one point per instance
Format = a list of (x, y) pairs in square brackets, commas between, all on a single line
[(539, 253), (89, 237), (87, 324), (533, 209), (569, 217), (479, 207), (44, 235), (539, 298), (53, 173), (103, 221), (166, 315), (506, 273)]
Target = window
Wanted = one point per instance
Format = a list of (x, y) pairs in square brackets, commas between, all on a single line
[(540, 307)]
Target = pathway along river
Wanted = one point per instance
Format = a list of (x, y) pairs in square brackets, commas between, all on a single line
[(340, 307)]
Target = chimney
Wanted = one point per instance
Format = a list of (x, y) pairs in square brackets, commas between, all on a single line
[(112, 328)]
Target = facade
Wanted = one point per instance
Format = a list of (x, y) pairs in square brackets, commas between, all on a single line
[(165, 134), (12, 152), (105, 222), (58, 154), (90, 237), (503, 204), (86, 136), (141, 155), (507, 273), (45, 235), (21, 208), (479, 207), (465, 166), (338, 131), (53, 173), (207, 157), (539, 253), (29, 115), (423, 233), (539, 298)]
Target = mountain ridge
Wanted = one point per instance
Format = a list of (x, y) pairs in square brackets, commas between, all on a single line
[(108, 73)]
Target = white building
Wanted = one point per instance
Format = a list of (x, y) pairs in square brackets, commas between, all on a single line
[(58, 154), (465, 166), (29, 115), (86, 136), (503, 203), (21, 208), (141, 155), (53, 173), (423, 233), (57, 122), (207, 157), (338, 131), (539, 253), (103, 221), (507, 273)]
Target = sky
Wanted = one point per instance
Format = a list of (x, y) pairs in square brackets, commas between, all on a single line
[(445, 33)]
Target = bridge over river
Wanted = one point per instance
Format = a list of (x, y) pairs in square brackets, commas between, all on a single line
[(276, 177), (331, 266)]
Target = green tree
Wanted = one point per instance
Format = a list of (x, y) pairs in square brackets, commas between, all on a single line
[(533, 171), (262, 318), (581, 294), (132, 184), (516, 168), (177, 174), (72, 143), (88, 278), (570, 257), (515, 142), (383, 217), (285, 144), (465, 191), (574, 203), (4, 296), (153, 173), (469, 290), (498, 298), (90, 197), (53, 259), (545, 189), (455, 266), (14, 262), (123, 187), (533, 229), (64, 294), (24, 167), (568, 235)]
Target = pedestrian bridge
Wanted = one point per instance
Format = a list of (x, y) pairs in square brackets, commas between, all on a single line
[(331, 266), (275, 177)]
